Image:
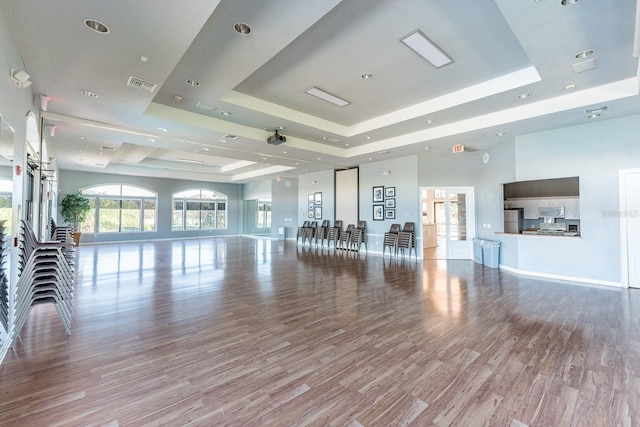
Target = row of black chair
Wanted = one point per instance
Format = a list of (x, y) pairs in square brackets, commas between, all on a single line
[(399, 240), (350, 239)]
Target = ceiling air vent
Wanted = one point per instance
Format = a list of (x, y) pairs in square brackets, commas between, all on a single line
[(141, 84)]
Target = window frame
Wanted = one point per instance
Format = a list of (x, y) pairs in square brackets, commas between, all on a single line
[(92, 193), (217, 200)]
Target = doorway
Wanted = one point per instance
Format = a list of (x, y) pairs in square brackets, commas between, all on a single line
[(629, 201), (448, 221)]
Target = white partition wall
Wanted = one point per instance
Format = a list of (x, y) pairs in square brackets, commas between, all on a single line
[(347, 196)]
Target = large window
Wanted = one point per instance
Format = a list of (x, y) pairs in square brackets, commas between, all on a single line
[(199, 209), (120, 209)]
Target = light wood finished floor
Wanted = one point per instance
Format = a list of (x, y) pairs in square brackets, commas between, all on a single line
[(249, 332)]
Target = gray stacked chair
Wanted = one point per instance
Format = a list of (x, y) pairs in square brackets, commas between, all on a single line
[(334, 233), (310, 232), (45, 277), (322, 232), (391, 239), (359, 236), (407, 239), (345, 237), (301, 231), (64, 235), (4, 291)]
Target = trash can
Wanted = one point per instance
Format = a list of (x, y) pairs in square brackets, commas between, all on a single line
[(281, 233), (491, 253), (477, 251)]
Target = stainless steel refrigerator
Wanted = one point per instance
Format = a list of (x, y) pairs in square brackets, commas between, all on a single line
[(513, 221)]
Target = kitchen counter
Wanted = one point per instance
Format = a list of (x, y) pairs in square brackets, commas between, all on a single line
[(539, 236)]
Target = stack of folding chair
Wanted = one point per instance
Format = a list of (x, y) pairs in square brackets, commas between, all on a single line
[(45, 277), (64, 235), (4, 291)]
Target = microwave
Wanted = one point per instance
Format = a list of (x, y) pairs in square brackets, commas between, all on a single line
[(551, 212)]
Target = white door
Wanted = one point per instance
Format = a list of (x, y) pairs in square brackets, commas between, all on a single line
[(455, 221), (629, 197)]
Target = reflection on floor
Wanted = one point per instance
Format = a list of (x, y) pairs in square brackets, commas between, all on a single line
[(251, 332), (437, 252)]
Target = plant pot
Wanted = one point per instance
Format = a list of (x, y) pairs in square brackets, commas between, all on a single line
[(76, 238)]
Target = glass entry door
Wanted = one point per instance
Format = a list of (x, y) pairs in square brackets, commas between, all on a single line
[(453, 211)]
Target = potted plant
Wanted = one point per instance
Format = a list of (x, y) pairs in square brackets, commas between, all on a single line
[(74, 210)]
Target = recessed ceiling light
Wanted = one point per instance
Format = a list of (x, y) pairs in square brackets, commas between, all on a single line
[(570, 87), (242, 28), (585, 53), (367, 76), (284, 152), (347, 144), (84, 138), (163, 129), (524, 95), (500, 134), (326, 96), (151, 140), (318, 158), (368, 137), (426, 148), (427, 49), (177, 98), (429, 121), (568, 2), (88, 94), (192, 82), (370, 158), (593, 116), (143, 58), (96, 26), (225, 113)]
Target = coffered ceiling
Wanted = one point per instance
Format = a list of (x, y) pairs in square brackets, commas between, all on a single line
[(209, 96)]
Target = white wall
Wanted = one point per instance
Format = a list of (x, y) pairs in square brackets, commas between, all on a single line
[(403, 175), (594, 152), (311, 183)]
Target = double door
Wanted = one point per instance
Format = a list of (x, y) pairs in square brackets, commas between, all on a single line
[(455, 221)]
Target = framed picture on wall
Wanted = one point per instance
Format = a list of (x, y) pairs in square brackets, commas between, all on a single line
[(318, 198), (311, 206), (318, 212), (378, 194), (389, 203), (311, 198), (311, 213), (390, 192), (390, 214), (378, 212)]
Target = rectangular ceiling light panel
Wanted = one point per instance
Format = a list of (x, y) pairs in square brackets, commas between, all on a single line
[(319, 93), (427, 49)]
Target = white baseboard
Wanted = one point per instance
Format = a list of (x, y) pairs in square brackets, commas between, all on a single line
[(580, 280)]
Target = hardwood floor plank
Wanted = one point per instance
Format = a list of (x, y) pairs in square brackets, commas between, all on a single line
[(249, 332)]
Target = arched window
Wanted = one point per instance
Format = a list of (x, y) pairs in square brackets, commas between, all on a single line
[(117, 208), (199, 209)]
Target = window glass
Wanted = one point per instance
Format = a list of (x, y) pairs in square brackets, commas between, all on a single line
[(199, 209), (120, 208)]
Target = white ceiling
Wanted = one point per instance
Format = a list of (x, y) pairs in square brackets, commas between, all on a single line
[(501, 49)]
